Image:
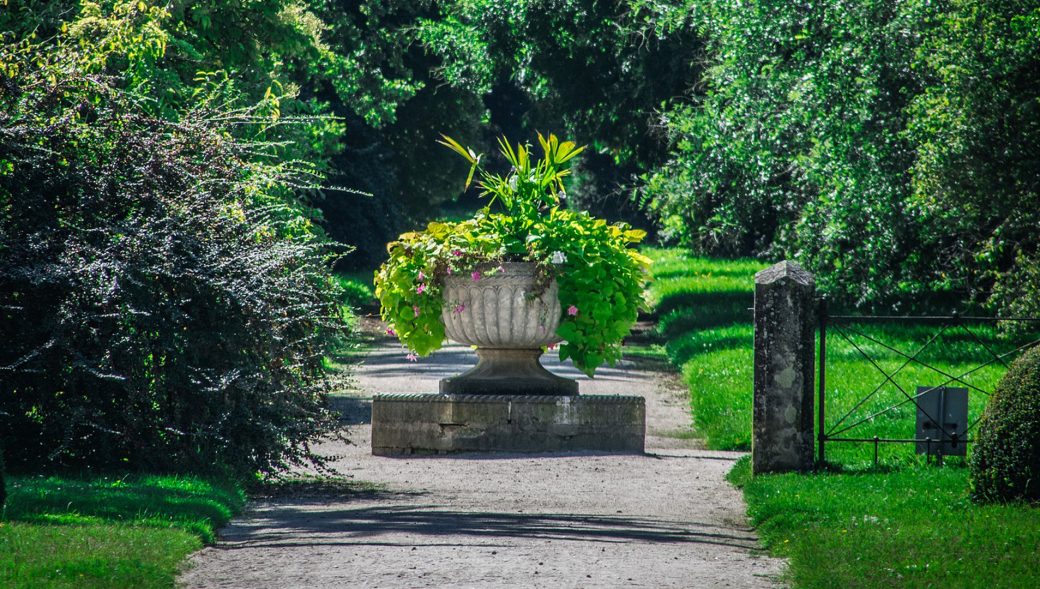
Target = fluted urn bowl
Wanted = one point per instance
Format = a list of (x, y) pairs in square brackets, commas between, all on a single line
[(509, 317)]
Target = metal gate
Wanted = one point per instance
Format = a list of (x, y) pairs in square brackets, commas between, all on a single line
[(930, 400)]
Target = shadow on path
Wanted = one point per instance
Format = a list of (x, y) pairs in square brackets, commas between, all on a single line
[(352, 410), (425, 524)]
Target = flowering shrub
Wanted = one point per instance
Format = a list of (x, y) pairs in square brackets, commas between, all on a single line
[(600, 278)]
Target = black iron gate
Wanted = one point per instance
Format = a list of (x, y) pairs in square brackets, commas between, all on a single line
[(846, 328)]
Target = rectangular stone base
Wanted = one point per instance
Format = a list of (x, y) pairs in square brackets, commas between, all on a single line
[(430, 423)]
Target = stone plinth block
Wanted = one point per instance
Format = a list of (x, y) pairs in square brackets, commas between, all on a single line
[(433, 424), (784, 368)]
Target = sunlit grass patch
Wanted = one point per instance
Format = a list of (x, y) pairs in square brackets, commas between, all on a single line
[(357, 288), (130, 531), (703, 308), (910, 527), (703, 313), (902, 524)]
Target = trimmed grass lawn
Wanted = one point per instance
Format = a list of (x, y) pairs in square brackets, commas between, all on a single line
[(904, 524), (911, 527), (131, 531), (703, 313)]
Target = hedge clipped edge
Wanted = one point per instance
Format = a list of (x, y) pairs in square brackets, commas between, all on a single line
[(1005, 465)]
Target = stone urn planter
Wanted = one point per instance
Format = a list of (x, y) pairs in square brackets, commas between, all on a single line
[(508, 317)]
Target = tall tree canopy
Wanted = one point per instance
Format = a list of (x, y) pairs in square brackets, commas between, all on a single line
[(890, 146)]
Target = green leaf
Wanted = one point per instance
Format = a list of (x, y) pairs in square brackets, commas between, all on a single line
[(458, 148)]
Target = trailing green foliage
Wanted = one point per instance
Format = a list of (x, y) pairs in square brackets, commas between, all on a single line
[(912, 528), (164, 302), (129, 531), (1005, 464), (600, 279)]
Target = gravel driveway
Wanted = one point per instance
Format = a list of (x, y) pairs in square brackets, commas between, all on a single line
[(663, 519)]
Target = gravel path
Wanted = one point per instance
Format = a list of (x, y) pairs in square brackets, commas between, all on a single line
[(663, 519)]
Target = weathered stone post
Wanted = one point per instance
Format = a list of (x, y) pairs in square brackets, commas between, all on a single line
[(784, 369)]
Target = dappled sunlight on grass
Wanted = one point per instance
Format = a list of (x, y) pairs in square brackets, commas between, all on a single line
[(703, 312), (165, 501), (900, 524), (357, 288)]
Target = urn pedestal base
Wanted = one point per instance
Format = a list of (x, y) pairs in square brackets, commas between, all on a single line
[(502, 371), (440, 424)]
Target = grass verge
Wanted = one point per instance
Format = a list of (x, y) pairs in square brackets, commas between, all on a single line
[(357, 289), (131, 531), (702, 313), (911, 527), (904, 524), (703, 308)]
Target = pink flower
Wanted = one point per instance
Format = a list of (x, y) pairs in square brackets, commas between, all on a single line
[(412, 357), (501, 268), (460, 308), (572, 310), (475, 275), (456, 252), (449, 269), (421, 275), (415, 309), (420, 289), (390, 331)]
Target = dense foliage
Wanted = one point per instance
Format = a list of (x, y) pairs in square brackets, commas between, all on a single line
[(1005, 464), (3, 482), (598, 71), (893, 147), (600, 279), (163, 302)]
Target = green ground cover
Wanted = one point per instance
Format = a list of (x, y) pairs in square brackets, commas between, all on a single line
[(703, 314), (131, 531), (903, 524), (358, 291), (910, 527)]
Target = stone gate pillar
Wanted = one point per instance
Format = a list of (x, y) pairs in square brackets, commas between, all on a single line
[(784, 369)]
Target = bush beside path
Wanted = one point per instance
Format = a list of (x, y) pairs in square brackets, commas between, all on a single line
[(663, 519)]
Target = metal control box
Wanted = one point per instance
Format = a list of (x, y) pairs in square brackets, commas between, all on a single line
[(942, 420)]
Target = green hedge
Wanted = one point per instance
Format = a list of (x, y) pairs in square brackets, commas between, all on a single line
[(1005, 465)]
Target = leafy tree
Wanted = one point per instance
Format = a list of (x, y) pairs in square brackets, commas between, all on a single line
[(302, 59), (597, 71), (162, 305), (889, 146), (976, 128)]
